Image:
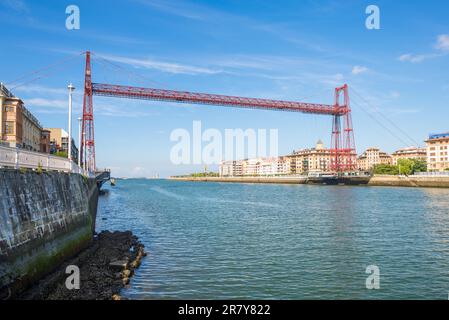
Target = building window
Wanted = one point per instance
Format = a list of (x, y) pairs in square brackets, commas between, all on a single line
[(9, 108), (9, 127)]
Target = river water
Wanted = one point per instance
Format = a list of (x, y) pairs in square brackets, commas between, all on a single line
[(263, 241)]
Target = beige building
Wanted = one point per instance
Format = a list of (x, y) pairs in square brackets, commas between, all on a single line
[(59, 142), (256, 167), (58, 139), (18, 127), (318, 159), (45, 141), (371, 157), (231, 168), (409, 153), (438, 152)]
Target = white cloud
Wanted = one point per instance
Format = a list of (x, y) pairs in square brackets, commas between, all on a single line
[(395, 94), (17, 5), (209, 15), (412, 58), (359, 69), (443, 42), (182, 9), (169, 67), (103, 108), (30, 88), (47, 103), (442, 45)]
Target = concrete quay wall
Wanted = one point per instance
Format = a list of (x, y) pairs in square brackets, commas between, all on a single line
[(45, 218)]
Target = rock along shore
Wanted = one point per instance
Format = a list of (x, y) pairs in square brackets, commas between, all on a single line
[(106, 267)]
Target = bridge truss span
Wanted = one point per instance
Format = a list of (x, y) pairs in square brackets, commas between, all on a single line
[(212, 99), (342, 136)]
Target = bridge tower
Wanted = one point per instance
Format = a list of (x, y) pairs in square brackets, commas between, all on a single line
[(87, 136), (342, 143)]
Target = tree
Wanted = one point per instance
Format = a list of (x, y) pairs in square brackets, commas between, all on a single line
[(419, 165), (62, 154), (385, 169), (410, 166), (405, 166)]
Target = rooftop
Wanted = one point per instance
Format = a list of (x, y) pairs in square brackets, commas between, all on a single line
[(438, 135), (4, 91)]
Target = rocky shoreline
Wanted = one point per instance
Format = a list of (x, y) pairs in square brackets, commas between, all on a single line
[(106, 267)]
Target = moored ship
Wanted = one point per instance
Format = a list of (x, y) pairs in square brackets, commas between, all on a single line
[(342, 178)]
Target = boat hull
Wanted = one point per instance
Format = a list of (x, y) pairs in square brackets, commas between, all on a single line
[(339, 180)]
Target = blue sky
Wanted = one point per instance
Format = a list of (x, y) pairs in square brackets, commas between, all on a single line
[(297, 50)]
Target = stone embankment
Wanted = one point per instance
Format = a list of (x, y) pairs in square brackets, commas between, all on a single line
[(45, 218), (376, 180), (410, 181)]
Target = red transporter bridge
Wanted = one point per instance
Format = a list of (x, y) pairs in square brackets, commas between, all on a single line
[(342, 140)]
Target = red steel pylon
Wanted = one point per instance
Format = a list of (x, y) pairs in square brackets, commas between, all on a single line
[(88, 139), (342, 143)]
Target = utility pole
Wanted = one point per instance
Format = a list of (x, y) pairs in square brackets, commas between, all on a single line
[(69, 151)]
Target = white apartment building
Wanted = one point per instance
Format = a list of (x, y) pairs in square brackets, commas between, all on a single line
[(255, 167), (409, 153), (371, 157), (438, 152)]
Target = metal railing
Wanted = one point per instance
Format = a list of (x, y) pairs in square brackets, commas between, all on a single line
[(18, 158)]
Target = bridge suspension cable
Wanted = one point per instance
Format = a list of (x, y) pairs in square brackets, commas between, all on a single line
[(387, 119), (39, 72)]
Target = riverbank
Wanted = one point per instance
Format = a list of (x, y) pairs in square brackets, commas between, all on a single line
[(285, 180), (376, 180), (106, 267), (410, 181)]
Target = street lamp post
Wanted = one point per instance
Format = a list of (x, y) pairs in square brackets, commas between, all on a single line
[(79, 141), (69, 151)]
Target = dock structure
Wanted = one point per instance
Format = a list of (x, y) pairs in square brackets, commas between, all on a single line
[(102, 176)]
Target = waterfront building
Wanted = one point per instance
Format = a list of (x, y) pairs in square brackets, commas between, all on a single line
[(316, 159), (303, 161), (274, 166), (255, 167), (371, 157), (59, 142), (251, 167), (409, 153), (284, 165), (267, 167), (438, 152), (19, 128), (226, 169), (45, 141)]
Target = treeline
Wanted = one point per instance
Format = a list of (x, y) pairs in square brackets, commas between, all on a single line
[(199, 175), (204, 174), (404, 166)]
